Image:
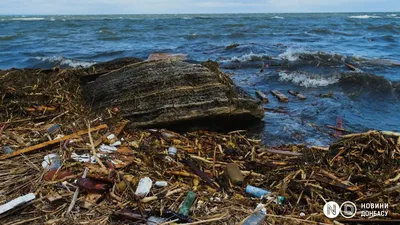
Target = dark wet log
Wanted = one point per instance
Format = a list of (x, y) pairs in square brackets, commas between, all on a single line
[(351, 67), (104, 67), (297, 94), (165, 93), (263, 97), (281, 97)]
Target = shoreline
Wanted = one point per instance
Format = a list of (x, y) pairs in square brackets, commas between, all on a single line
[(358, 167)]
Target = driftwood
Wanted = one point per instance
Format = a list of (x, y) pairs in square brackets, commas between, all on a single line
[(281, 97), (55, 141), (169, 92), (297, 94), (263, 97)]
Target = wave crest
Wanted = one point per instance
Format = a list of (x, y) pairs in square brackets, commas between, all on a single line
[(64, 62), (307, 80), (364, 17), (251, 57)]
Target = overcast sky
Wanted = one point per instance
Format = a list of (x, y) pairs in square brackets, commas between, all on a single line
[(192, 6)]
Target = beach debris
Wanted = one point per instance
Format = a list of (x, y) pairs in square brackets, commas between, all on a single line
[(187, 203), (263, 97), (297, 94), (139, 82), (172, 151), (7, 149), (107, 148), (160, 184), (260, 193), (233, 173), (258, 217), (281, 97), (54, 128), (232, 46), (76, 193), (144, 186), (51, 161), (357, 167), (90, 185), (130, 215), (352, 67), (55, 141), (17, 202), (153, 220)]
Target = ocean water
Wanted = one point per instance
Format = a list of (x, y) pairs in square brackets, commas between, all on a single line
[(302, 52)]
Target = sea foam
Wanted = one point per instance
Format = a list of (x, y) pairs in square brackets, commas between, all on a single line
[(364, 17), (307, 80), (62, 61)]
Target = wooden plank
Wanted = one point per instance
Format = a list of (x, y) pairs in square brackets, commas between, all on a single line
[(55, 141), (263, 97), (352, 67), (297, 94), (281, 97)]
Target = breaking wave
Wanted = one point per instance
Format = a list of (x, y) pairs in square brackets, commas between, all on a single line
[(278, 17), (64, 62), (307, 80), (251, 57), (27, 19), (364, 17)]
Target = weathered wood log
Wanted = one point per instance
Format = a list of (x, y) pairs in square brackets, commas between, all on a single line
[(263, 97), (165, 93), (297, 94), (281, 97)]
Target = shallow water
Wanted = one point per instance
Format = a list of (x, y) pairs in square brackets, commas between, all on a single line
[(303, 52)]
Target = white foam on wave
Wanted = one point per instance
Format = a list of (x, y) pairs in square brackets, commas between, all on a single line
[(292, 54), (27, 19), (391, 15), (62, 61), (278, 17), (307, 80), (247, 58), (364, 17)]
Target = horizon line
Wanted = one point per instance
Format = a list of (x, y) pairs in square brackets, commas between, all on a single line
[(102, 14)]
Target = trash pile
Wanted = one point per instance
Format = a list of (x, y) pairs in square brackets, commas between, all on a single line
[(62, 164)]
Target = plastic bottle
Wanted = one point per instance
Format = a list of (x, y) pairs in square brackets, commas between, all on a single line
[(187, 203), (257, 218), (259, 192)]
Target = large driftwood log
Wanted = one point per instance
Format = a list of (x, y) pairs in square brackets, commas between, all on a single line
[(168, 93)]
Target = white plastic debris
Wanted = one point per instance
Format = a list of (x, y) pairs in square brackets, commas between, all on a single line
[(144, 187), (152, 220), (83, 158), (111, 136), (115, 144), (107, 148), (16, 202), (59, 136), (51, 161), (161, 184), (172, 150)]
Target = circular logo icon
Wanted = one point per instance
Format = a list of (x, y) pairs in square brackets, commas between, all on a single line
[(348, 209), (331, 210)]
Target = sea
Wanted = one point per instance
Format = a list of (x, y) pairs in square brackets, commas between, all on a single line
[(301, 52)]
